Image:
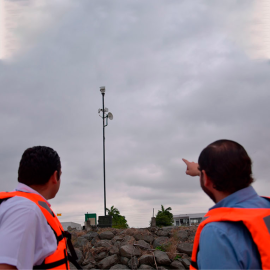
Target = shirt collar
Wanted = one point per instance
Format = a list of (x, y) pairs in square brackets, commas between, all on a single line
[(25, 188), (236, 197)]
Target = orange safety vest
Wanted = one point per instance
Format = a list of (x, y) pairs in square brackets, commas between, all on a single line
[(257, 221), (59, 259)]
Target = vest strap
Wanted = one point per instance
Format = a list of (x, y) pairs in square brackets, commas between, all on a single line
[(51, 265), (74, 262), (194, 264), (70, 246)]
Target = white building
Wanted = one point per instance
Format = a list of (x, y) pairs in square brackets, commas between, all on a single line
[(188, 219), (77, 226)]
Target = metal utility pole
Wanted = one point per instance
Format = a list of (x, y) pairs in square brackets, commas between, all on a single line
[(105, 116)]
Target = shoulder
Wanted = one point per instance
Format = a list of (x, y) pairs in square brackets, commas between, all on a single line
[(21, 208)]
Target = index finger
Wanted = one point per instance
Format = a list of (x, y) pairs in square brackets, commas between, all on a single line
[(186, 161)]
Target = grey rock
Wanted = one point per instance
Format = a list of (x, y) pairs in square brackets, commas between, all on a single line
[(129, 251), (88, 258), (117, 244), (114, 250), (106, 235), (94, 241), (163, 232), (177, 265), (133, 263), (144, 236), (143, 244), (117, 238), (108, 262), (129, 232), (182, 235), (104, 243), (124, 260), (100, 256), (190, 233), (162, 257), (160, 241), (185, 248), (162, 268), (79, 255), (185, 256), (128, 238), (80, 242), (186, 263), (72, 266), (119, 266), (147, 259), (89, 266), (89, 236), (145, 266)]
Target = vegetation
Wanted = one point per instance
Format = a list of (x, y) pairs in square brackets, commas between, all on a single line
[(118, 221), (164, 217), (161, 248)]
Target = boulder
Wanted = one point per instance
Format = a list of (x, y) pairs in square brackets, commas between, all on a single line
[(129, 251), (177, 265), (80, 242), (145, 266), (94, 241), (90, 235), (186, 263), (162, 258), (160, 241), (128, 239), (100, 256), (144, 236), (147, 259), (185, 248), (79, 255), (119, 266), (89, 266), (133, 263), (143, 244), (163, 232), (182, 235), (106, 235), (124, 260), (114, 250), (117, 238), (88, 258), (108, 262), (104, 243), (129, 232), (117, 244)]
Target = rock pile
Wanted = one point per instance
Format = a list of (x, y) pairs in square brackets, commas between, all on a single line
[(151, 248)]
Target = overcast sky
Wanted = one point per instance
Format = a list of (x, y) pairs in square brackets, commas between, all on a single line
[(178, 75)]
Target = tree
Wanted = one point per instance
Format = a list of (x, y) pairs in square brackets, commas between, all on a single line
[(118, 221), (164, 217)]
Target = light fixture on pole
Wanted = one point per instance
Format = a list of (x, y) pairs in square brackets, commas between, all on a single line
[(105, 115)]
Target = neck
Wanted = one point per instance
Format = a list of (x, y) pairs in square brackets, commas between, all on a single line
[(220, 196), (42, 190)]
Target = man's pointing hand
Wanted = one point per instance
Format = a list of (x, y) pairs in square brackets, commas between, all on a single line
[(192, 168)]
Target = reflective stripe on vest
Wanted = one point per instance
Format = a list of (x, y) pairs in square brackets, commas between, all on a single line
[(257, 221), (59, 259)]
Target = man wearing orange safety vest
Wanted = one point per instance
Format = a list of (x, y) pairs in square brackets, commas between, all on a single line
[(30, 233), (235, 233)]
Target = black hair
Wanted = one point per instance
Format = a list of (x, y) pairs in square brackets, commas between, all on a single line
[(37, 165), (227, 164)]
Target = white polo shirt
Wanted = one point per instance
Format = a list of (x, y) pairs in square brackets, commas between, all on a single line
[(25, 236)]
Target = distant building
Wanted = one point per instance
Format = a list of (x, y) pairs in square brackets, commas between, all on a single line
[(73, 225), (188, 219)]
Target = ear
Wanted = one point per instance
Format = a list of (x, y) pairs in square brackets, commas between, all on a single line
[(206, 180), (54, 178)]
